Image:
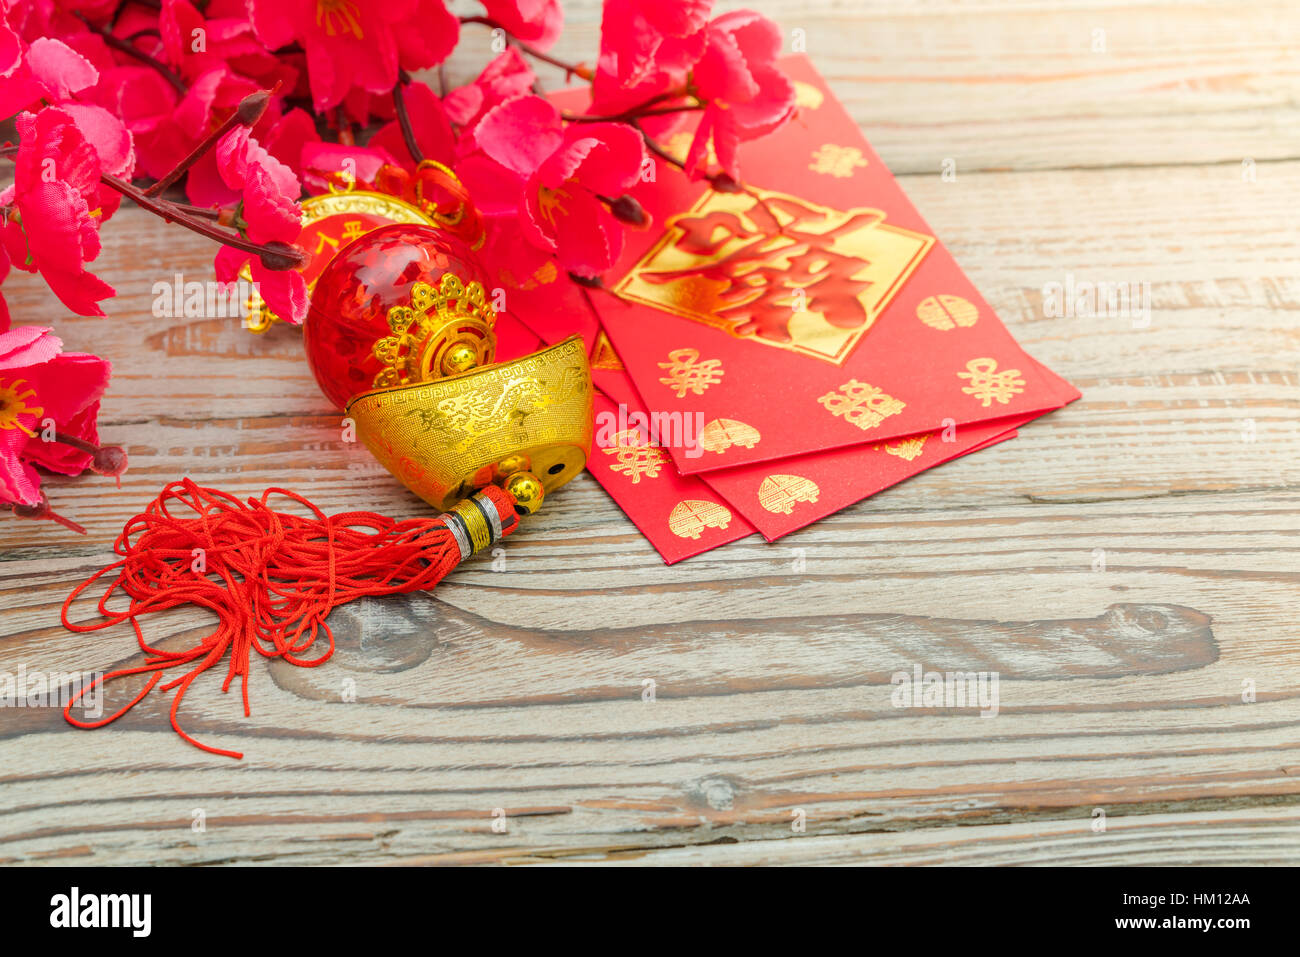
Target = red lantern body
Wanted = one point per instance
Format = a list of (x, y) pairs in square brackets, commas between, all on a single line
[(354, 340)]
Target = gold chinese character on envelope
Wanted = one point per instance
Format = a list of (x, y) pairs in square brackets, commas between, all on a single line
[(778, 270)]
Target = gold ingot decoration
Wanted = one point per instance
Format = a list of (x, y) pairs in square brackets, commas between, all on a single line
[(861, 404), (721, 434), (946, 312), (445, 330), (775, 269), (779, 494), (690, 518), (448, 437), (990, 385)]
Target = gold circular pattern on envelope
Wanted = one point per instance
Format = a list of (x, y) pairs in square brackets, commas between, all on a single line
[(721, 434), (689, 518), (945, 312), (779, 494)]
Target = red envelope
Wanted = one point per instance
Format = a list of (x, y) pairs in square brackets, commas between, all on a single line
[(680, 515), (814, 311)]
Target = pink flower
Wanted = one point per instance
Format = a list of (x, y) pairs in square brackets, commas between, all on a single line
[(507, 76), (283, 290), (350, 43), (640, 39), (647, 50), (4, 273), (146, 104), (269, 192), (269, 189), (49, 403), (433, 134), (747, 95), (60, 202), (47, 70), (555, 178), (536, 22)]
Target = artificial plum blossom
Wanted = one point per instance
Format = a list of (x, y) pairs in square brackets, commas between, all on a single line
[(350, 43), (559, 179), (59, 201), (642, 39), (747, 94), (507, 76), (46, 69), (429, 123), (47, 396), (268, 191), (536, 22)]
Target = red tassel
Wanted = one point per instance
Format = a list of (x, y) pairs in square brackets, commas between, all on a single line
[(272, 578)]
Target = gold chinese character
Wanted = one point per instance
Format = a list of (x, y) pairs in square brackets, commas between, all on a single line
[(862, 404), (776, 269), (636, 456), (989, 385), (686, 373), (839, 161)]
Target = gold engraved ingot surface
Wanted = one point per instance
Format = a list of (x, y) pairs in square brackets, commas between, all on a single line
[(779, 270), (444, 438)]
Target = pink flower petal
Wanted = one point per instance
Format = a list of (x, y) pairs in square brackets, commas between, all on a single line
[(28, 345), (520, 133)]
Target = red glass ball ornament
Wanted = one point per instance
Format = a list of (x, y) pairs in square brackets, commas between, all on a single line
[(349, 311)]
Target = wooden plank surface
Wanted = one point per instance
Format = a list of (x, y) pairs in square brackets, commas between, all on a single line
[(514, 697)]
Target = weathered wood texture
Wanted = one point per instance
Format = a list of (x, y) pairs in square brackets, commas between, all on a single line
[(522, 689)]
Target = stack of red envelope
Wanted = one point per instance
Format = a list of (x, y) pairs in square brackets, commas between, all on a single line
[(769, 356)]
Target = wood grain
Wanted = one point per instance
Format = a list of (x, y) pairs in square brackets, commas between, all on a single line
[(1128, 565)]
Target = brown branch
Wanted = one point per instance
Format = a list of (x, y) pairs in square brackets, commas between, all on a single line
[(122, 46), (274, 255), (404, 120)]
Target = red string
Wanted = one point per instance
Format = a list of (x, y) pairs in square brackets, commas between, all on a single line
[(271, 578)]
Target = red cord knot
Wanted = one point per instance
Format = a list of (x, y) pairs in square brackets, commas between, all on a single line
[(270, 577)]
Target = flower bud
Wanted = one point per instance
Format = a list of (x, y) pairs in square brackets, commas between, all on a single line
[(626, 209), (252, 107), (109, 460), (279, 255)]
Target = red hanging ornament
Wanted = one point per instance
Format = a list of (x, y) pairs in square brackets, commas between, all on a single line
[(399, 335)]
